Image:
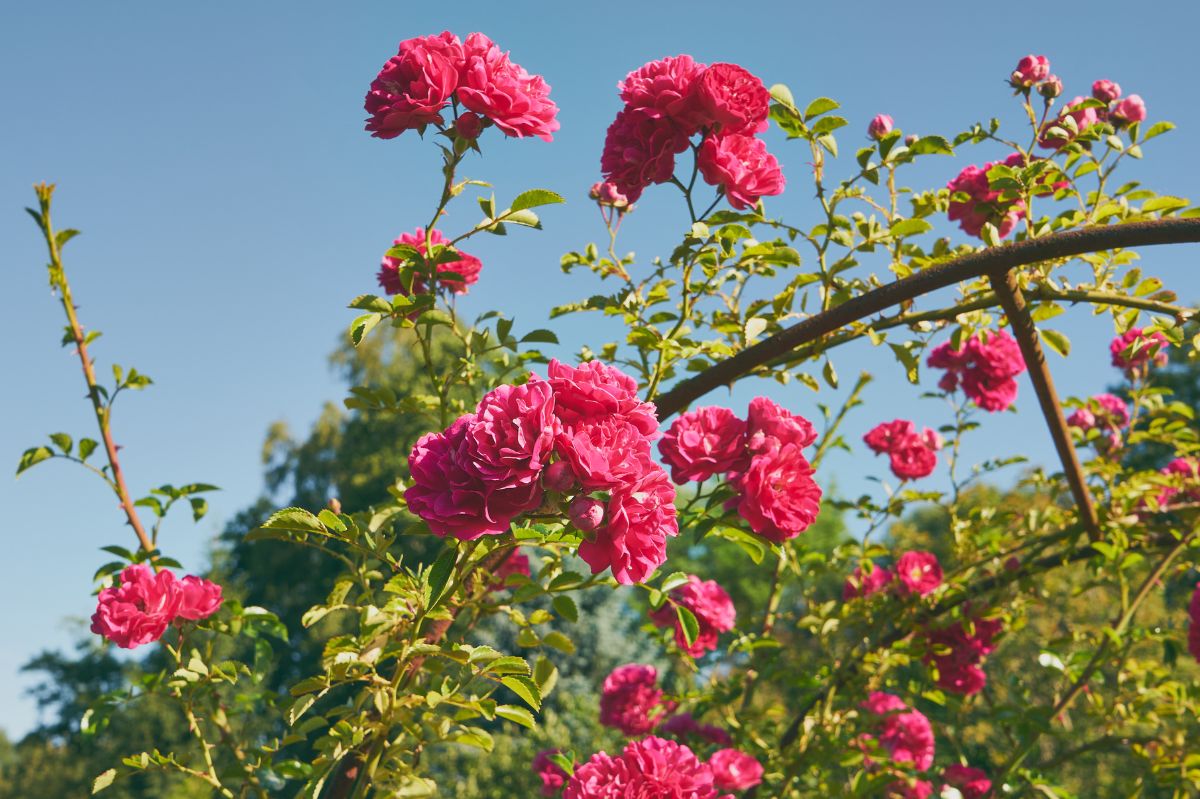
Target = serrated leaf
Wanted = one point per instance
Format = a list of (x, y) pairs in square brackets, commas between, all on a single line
[(534, 198), (525, 688), (673, 580), (909, 227), (1057, 341), (510, 664), (33, 456), (516, 714), (687, 624), (526, 218), (363, 325), (540, 336), (86, 447), (565, 607), (63, 442), (820, 105), (296, 520), (545, 674), (439, 575), (931, 145), (558, 641), (105, 779)]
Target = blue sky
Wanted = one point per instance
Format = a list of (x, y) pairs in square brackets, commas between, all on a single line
[(213, 157)]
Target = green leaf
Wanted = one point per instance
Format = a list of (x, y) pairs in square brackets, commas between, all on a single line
[(199, 507), (535, 197), (63, 442), (516, 714), (525, 688), (820, 106), (673, 580), (1158, 129), (105, 779), (1057, 341), (86, 447), (32, 457), (750, 544), (540, 336), (508, 665), (909, 227), (439, 575), (478, 738), (526, 218), (545, 674), (688, 624), (559, 641), (565, 607), (369, 302), (296, 520), (363, 325), (931, 145)]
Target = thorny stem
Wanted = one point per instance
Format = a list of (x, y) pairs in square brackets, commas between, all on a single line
[(58, 279)]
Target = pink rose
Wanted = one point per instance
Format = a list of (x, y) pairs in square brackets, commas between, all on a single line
[(1106, 91), (460, 273), (489, 83), (1105, 412), (982, 204), (592, 391), (641, 515), (662, 89), (650, 768), (414, 86), (1136, 350), (468, 125), (734, 771), (958, 650), (1194, 624), (984, 369), (1030, 70), (913, 459), (1188, 472), (139, 610), (704, 442), (711, 606), (607, 194), (912, 454), (1131, 109), (770, 426), (733, 99), (640, 150), (604, 453), (559, 476), (904, 733), (777, 495), (631, 700), (917, 789), (919, 573), (740, 165), (1084, 119), (880, 126), (552, 775), (511, 436), (863, 583), (887, 436), (200, 598), (447, 492), (970, 782)]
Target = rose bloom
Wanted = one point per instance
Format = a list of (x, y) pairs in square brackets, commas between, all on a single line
[(913, 459), (863, 583), (1135, 349), (904, 733), (917, 789), (970, 782), (1106, 91), (511, 437), (650, 768), (1084, 119), (139, 610), (640, 150), (912, 454), (741, 165), (733, 99), (662, 89), (414, 85), (593, 391), (1105, 412), (605, 453), (734, 771), (887, 436), (770, 426), (489, 83), (776, 494), (633, 542), (1194, 624), (199, 598), (880, 126), (919, 573), (467, 267), (631, 700), (552, 775), (983, 204), (684, 725), (447, 493), (1188, 470), (1030, 70), (1131, 109), (984, 369), (711, 606), (963, 646), (704, 442)]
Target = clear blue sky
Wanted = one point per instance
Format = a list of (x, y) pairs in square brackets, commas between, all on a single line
[(213, 156)]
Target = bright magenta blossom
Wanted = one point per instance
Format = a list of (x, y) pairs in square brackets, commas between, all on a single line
[(1030, 70), (1104, 412), (1106, 91), (734, 771), (905, 734), (741, 165), (414, 85), (984, 204), (732, 99), (711, 606), (139, 609), (650, 768), (985, 369), (1083, 118), (594, 391), (918, 573), (199, 598), (771, 426), (516, 562), (663, 89), (640, 517), (631, 700), (1131, 109), (958, 650), (970, 782), (777, 495), (863, 583), (460, 273), (880, 126), (490, 84), (1135, 349), (912, 454), (640, 150), (551, 774), (704, 442)]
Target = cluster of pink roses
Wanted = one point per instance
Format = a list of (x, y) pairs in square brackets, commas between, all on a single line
[(453, 275), (669, 101), (428, 72), (656, 767), (916, 573), (957, 650), (762, 459), (983, 204), (1187, 470), (631, 701), (985, 366), (139, 609), (907, 737), (1084, 114), (1135, 351), (912, 454), (495, 464), (711, 606), (1104, 412)]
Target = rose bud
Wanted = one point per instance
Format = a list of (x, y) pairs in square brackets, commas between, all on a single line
[(586, 513), (880, 126)]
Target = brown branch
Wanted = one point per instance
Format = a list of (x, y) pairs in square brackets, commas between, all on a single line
[(58, 279), (1004, 283), (933, 278)]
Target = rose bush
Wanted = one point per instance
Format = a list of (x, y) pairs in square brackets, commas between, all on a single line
[(861, 669)]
